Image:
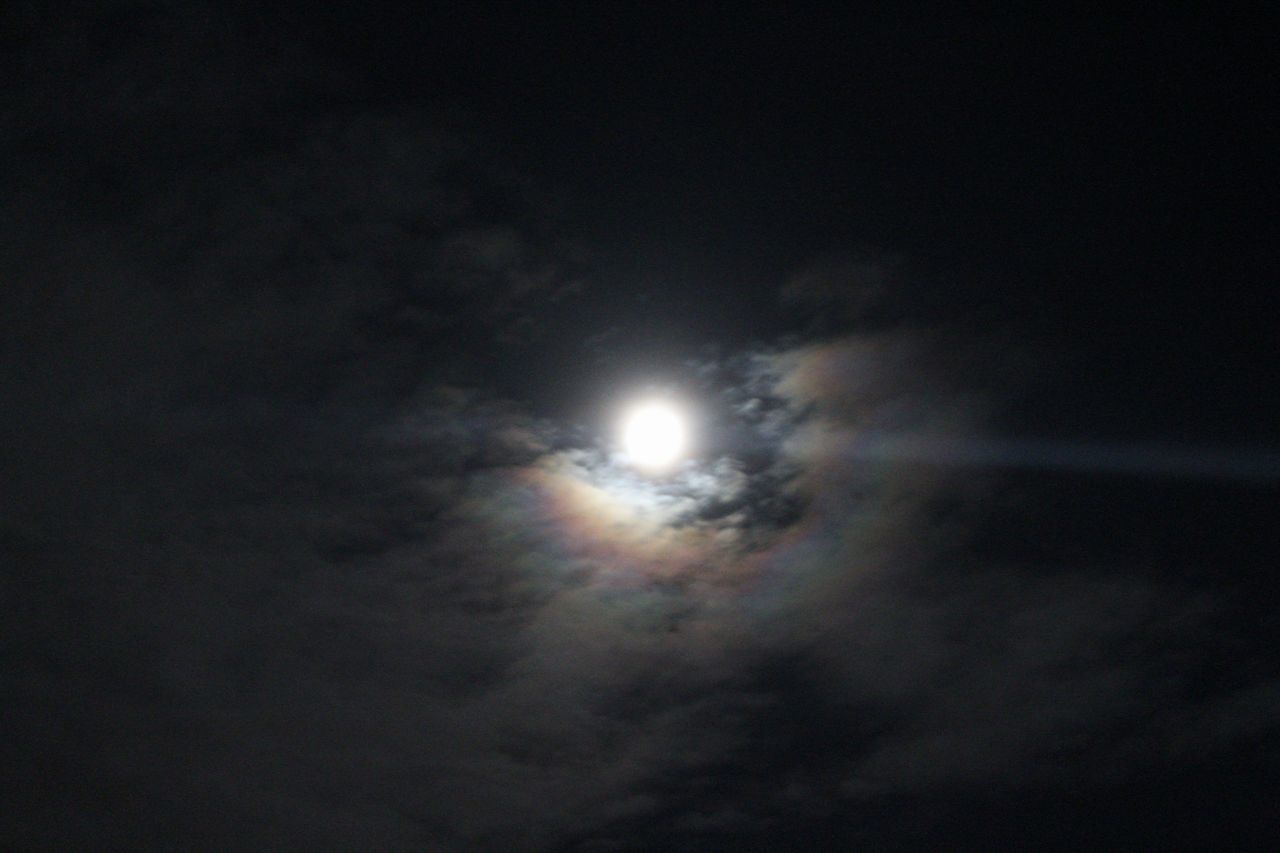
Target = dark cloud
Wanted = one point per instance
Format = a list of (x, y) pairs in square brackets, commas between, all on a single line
[(838, 289)]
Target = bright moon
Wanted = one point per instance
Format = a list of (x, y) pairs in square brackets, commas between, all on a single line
[(653, 435)]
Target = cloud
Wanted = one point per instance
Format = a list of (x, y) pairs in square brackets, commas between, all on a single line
[(852, 283), (295, 571), (461, 626)]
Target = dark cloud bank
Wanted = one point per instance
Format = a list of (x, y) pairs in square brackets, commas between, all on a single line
[(314, 536)]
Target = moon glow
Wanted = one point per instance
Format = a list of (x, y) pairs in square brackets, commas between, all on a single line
[(654, 436)]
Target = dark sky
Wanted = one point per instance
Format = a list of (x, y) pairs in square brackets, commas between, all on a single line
[(314, 533)]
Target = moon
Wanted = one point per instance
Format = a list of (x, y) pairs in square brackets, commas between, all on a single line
[(654, 435)]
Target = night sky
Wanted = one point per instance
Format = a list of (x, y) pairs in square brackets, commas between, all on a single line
[(315, 531)]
